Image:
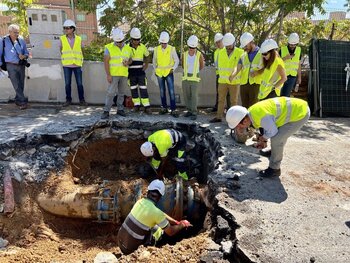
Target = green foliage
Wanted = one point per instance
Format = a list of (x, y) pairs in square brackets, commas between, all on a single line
[(95, 51), (17, 9)]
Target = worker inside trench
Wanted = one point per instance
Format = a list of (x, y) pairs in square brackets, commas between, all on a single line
[(105, 176)]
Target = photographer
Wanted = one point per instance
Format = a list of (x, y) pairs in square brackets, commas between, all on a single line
[(16, 54)]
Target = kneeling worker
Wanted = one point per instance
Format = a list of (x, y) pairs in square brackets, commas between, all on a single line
[(145, 223), (279, 119), (164, 143)]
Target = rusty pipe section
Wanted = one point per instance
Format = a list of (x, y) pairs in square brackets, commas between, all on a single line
[(112, 200)]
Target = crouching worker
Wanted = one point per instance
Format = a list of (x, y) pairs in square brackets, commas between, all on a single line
[(163, 145), (146, 223), (279, 119)]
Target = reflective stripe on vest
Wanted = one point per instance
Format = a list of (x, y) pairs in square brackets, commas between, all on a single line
[(135, 228), (117, 55), (164, 60), (269, 78), (71, 56), (226, 65), (138, 55), (216, 54), (292, 64), (284, 109), (248, 66), (195, 75)]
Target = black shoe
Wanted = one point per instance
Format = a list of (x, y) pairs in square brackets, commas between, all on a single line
[(83, 103), (174, 114), (215, 120), (163, 111), (105, 115), (188, 114), (67, 103), (265, 153), (193, 117), (269, 172), (121, 113), (214, 109)]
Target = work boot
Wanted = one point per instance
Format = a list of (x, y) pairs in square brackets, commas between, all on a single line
[(266, 153), (188, 114), (83, 103), (269, 172), (121, 113), (105, 115), (136, 108), (148, 110), (67, 103), (215, 120), (193, 117), (174, 113), (23, 106), (163, 111), (214, 109)]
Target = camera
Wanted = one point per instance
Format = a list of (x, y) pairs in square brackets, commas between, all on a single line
[(24, 62)]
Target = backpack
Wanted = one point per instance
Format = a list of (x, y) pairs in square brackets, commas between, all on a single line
[(3, 65)]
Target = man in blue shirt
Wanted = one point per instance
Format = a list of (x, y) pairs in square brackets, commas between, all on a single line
[(15, 54)]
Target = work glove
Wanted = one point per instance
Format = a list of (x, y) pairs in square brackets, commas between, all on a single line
[(185, 223)]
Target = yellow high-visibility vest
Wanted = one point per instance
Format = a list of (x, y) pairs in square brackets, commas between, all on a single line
[(226, 64), (269, 78), (195, 75), (164, 60), (284, 109), (292, 64), (216, 54), (248, 66), (138, 55), (117, 55), (71, 56)]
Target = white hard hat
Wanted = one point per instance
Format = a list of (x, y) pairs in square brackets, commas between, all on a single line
[(293, 39), (234, 115), (218, 37), (268, 45), (164, 37), (147, 149), (228, 39), (245, 39), (117, 35), (135, 33), (68, 23), (192, 41), (157, 185)]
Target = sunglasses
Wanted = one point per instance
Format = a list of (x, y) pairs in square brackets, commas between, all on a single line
[(265, 54), (191, 47), (136, 39), (118, 42), (68, 27), (163, 43)]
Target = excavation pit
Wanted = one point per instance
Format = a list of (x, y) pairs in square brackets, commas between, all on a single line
[(73, 180)]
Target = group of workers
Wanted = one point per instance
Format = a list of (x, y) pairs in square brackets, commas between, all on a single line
[(263, 77)]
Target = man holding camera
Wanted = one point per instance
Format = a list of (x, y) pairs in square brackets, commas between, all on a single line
[(16, 55)]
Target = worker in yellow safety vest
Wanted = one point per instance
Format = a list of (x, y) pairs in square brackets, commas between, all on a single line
[(163, 145), (146, 223), (72, 61), (192, 63), (117, 58), (278, 118), (291, 55), (219, 45), (137, 74), (165, 61), (228, 59), (250, 61), (273, 73)]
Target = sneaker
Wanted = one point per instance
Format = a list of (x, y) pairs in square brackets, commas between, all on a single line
[(83, 103), (67, 103), (188, 114), (105, 115), (121, 113), (215, 120), (174, 114), (265, 153), (163, 111), (148, 110), (269, 172), (193, 117)]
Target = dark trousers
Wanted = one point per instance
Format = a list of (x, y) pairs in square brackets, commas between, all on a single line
[(249, 94), (78, 73), (17, 76), (288, 86)]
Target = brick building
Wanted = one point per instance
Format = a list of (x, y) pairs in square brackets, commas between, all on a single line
[(86, 23), (5, 21)]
